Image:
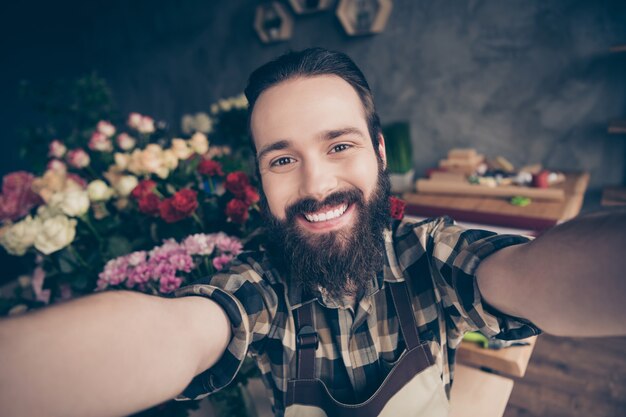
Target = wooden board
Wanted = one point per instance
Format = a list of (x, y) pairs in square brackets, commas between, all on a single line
[(477, 393), (510, 361), (539, 215), (459, 188)]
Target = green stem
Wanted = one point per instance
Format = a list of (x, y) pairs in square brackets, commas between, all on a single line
[(211, 186), (197, 219), (72, 250), (86, 220)]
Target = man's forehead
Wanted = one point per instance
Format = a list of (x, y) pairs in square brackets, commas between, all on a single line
[(305, 106)]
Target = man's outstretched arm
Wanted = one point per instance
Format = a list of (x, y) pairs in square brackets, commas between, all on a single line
[(571, 281), (109, 354)]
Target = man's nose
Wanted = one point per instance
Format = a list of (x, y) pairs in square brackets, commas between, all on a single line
[(318, 180)]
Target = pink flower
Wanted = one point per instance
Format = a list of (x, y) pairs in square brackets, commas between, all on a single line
[(228, 244), (199, 244), (134, 119), (17, 197), (143, 124), (100, 142), (221, 261), (56, 149), (169, 284), (78, 158), (125, 141), (40, 294), (56, 165), (106, 128), (78, 180)]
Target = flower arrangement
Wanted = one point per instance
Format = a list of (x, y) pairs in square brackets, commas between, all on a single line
[(108, 214)]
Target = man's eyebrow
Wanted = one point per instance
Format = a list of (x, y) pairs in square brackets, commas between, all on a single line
[(335, 133), (276, 146)]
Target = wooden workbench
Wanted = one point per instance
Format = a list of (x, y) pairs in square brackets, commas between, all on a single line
[(539, 215)]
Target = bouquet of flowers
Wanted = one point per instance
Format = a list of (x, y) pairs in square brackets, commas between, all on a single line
[(109, 214)]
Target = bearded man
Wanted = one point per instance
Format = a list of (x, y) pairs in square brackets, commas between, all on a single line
[(347, 312)]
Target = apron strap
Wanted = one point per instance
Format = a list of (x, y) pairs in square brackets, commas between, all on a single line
[(404, 310), (307, 341)]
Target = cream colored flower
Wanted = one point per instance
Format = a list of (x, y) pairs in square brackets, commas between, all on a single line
[(170, 161), (18, 238), (48, 211), (56, 233), (180, 149), (199, 143), (98, 190), (125, 185), (150, 158), (122, 160), (73, 203)]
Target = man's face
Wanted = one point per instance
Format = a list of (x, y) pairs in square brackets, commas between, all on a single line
[(312, 140), (324, 186)]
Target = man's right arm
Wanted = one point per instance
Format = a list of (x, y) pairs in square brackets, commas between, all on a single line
[(108, 354)]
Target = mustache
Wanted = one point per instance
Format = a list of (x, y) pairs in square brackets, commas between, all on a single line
[(308, 205)]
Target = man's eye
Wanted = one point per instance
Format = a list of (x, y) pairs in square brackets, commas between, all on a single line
[(281, 161), (341, 147)]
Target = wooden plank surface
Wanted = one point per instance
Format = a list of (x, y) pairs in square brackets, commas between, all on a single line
[(477, 393), (510, 361), (539, 215), (465, 188)]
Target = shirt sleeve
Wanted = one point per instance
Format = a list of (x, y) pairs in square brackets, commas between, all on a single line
[(455, 254), (250, 304)]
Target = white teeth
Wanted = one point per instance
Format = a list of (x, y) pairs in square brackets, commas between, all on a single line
[(329, 215)]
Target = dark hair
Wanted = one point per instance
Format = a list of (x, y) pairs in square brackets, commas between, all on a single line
[(309, 63)]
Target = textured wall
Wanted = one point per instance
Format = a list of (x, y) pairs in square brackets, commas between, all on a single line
[(530, 80)]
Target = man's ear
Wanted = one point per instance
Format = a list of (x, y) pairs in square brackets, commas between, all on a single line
[(381, 149)]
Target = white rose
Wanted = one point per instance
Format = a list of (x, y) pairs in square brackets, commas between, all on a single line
[(126, 185), (122, 160), (98, 190), (56, 233), (21, 236), (48, 211), (170, 161), (74, 203), (126, 142), (180, 149), (203, 123), (187, 124), (199, 143)]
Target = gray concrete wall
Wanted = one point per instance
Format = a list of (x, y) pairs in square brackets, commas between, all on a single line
[(530, 80)]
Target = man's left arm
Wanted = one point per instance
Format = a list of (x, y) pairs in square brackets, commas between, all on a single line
[(571, 281)]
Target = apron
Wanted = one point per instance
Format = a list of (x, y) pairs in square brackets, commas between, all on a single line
[(413, 387)]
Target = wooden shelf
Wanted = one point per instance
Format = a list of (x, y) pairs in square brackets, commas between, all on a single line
[(617, 127), (613, 196), (618, 48)]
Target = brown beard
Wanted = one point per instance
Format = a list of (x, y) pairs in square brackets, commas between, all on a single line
[(340, 262)]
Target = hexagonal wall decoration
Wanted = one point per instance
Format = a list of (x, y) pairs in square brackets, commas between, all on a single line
[(363, 17), (309, 6), (272, 22)]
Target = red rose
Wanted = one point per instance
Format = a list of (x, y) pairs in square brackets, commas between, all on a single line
[(236, 183), (251, 195), (237, 211), (17, 198), (144, 188), (179, 206), (149, 204), (397, 208), (210, 167), (185, 201)]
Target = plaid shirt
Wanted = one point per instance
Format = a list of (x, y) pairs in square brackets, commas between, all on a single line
[(358, 347)]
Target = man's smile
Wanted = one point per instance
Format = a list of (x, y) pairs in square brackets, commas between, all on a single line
[(327, 218)]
